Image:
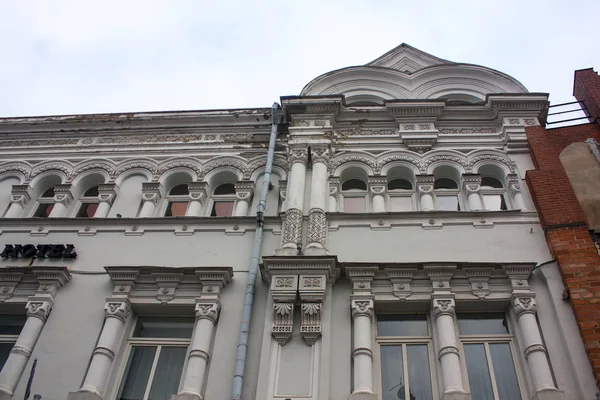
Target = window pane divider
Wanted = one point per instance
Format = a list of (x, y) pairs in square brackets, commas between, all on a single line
[(152, 371), (488, 357), (405, 372), (8, 338), (403, 339), (159, 341)]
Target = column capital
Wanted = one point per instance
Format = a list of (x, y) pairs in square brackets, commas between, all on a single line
[(377, 185), (20, 194), (334, 186), (39, 309), (208, 310), (319, 154), (362, 306), (524, 304), (513, 184), (283, 186), (424, 183), (151, 192), (471, 183), (62, 194), (107, 192), (197, 191), (120, 309), (443, 306), (244, 190), (298, 154)]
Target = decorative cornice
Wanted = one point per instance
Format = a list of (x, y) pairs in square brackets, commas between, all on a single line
[(308, 265)]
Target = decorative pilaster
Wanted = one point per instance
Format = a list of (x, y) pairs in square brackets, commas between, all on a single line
[(106, 196), (150, 197), (284, 290), (292, 228), (514, 189), (317, 222), (471, 187), (62, 200), (424, 184), (18, 199), (243, 192), (197, 193), (378, 186), (312, 295)]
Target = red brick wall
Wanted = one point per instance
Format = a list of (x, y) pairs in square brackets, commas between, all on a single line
[(587, 89), (566, 227)]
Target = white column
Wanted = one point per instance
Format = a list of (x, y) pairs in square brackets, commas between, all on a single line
[(116, 314), (471, 186), (150, 197), (18, 199), (443, 314), (377, 186), (334, 187), (515, 191), (106, 196), (317, 221), (362, 314), (292, 229), (37, 314), (62, 201), (197, 192), (207, 315), (425, 190), (243, 192), (524, 309)]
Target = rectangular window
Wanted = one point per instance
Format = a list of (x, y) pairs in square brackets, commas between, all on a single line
[(355, 204), (44, 210), (447, 202), (405, 349), (401, 203), (176, 208), (87, 210), (490, 365), (10, 328), (222, 209), (494, 202), (158, 349)]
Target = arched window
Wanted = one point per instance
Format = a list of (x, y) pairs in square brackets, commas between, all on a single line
[(46, 203), (89, 203), (177, 201), (354, 184), (223, 200), (354, 194), (445, 188), (400, 193), (493, 194), (399, 184), (445, 183)]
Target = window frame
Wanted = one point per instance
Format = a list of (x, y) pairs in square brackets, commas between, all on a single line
[(404, 341), (393, 193), (486, 340), (44, 201), (83, 200), (448, 193), (176, 198), (11, 338), (214, 198)]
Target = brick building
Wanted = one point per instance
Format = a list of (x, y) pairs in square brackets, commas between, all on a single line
[(565, 190)]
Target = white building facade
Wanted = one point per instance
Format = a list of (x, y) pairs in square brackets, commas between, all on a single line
[(401, 259)]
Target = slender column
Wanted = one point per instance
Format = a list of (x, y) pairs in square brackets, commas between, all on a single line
[(150, 197), (334, 188), (207, 315), (243, 192), (18, 199), (37, 314), (116, 314), (377, 185), (425, 190), (443, 314), (62, 200), (471, 186), (292, 231), (106, 197), (197, 192), (515, 191), (524, 308), (362, 314), (317, 223)]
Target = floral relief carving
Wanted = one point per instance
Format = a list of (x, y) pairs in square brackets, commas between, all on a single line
[(365, 132), (443, 307), (292, 231), (284, 282), (312, 282), (310, 327), (283, 322), (362, 308), (466, 131), (208, 311), (117, 309), (317, 227)]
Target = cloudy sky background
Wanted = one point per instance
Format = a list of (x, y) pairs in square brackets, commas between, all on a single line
[(75, 56)]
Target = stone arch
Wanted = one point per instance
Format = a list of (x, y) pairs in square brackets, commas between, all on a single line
[(192, 165), (140, 164), (177, 176), (236, 165), (436, 158), (389, 159), (102, 166), (361, 159), (477, 158), (256, 167), (19, 169), (63, 168)]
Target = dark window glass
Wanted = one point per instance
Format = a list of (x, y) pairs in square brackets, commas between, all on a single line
[(226, 188), (222, 209), (354, 184), (392, 373), (4, 352), (48, 193), (165, 381), (11, 324), (399, 184), (445, 183), (478, 371), (176, 209), (91, 192), (180, 328), (419, 376), (504, 372), (44, 210), (87, 210), (482, 324), (137, 373), (488, 181), (180, 190), (402, 325)]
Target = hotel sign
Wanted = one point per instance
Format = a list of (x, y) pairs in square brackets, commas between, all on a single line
[(38, 251)]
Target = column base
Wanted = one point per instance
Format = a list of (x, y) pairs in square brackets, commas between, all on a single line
[(549, 394), (186, 396), (363, 396), (456, 396), (286, 251), (315, 251), (83, 396)]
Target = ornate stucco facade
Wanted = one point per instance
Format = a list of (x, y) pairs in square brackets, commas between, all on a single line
[(397, 199)]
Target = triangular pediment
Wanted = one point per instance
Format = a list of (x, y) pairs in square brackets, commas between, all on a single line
[(407, 59)]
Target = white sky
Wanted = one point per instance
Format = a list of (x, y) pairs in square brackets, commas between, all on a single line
[(83, 56)]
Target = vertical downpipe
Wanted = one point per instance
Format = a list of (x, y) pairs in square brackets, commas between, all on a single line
[(242, 347)]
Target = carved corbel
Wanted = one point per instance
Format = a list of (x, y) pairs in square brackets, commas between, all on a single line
[(39, 309), (362, 307), (440, 276), (361, 278), (284, 290), (120, 309), (424, 184), (479, 279), (377, 185), (20, 195), (213, 281), (208, 310), (62, 194), (123, 280), (312, 295), (197, 191), (50, 280), (524, 303), (298, 154), (513, 184), (401, 281), (319, 154), (244, 190), (518, 275), (107, 192), (167, 285), (151, 192), (471, 183)]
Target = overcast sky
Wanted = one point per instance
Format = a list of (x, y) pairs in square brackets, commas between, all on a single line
[(83, 56)]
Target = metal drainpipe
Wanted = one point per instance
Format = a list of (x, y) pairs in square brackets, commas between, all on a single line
[(242, 348)]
